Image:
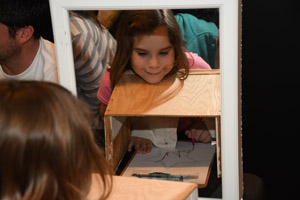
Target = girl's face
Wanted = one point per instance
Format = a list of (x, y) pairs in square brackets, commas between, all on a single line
[(153, 55)]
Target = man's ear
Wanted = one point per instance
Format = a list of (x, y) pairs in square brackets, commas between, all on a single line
[(24, 34)]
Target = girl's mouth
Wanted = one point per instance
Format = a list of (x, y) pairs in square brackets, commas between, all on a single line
[(153, 73)]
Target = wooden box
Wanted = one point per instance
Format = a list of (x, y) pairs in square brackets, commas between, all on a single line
[(197, 96)]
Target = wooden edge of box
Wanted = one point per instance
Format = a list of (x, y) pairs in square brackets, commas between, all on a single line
[(115, 155), (203, 71), (191, 71), (188, 191), (127, 164), (108, 140), (208, 173)]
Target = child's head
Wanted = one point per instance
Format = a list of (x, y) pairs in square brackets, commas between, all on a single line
[(149, 42), (47, 149)]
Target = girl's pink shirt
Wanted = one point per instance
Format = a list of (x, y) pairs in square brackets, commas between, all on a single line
[(104, 92)]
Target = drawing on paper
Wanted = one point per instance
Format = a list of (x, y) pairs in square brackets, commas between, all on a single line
[(184, 160)]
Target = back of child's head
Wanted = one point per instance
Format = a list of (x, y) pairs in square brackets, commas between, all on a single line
[(144, 22), (47, 149), (17, 14)]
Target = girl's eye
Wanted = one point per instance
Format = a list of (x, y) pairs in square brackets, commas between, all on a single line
[(163, 53), (142, 53)]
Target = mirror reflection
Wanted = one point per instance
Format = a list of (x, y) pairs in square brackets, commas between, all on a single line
[(95, 35)]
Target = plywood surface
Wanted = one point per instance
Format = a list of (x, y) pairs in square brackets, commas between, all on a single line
[(137, 188), (116, 145), (198, 95)]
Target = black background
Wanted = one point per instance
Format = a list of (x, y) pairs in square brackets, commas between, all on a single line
[(270, 79)]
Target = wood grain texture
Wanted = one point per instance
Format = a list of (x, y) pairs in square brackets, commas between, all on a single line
[(198, 95), (130, 188), (115, 148), (108, 139), (137, 188)]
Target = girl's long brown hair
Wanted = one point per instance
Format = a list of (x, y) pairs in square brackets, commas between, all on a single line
[(47, 149), (136, 22)]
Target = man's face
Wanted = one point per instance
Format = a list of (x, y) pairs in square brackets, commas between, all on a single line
[(8, 45)]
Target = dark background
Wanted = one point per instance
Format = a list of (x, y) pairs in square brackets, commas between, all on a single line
[(270, 79)]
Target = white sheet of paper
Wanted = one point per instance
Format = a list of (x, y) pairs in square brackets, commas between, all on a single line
[(183, 161)]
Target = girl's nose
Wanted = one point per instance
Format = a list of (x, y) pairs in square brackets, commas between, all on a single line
[(153, 63)]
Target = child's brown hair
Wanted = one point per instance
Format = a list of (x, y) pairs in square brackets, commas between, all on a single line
[(47, 149), (139, 22)]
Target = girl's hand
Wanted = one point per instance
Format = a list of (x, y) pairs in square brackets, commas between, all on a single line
[(140, 144), (198, 131)]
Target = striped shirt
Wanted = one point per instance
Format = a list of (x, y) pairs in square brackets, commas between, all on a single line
[(93, 50)]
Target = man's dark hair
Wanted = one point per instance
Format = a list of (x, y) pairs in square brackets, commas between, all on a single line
[(17, 14)]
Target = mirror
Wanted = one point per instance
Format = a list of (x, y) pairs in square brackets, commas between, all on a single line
[(228, 64)]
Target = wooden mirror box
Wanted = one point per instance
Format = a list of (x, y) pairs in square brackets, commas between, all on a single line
[(196, 96)]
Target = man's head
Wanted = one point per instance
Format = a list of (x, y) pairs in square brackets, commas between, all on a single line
[(17, 14)]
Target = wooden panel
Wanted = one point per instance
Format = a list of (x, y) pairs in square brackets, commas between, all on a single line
[(108, 140), (115, 148), (138, 188), (198, 95)]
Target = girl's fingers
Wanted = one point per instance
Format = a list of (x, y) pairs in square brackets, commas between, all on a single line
[(146, 146), (137, 147), (130, 146), (140, 144), (149, 147), (205, 137), (190, 133), (143, 147), (202, 136)]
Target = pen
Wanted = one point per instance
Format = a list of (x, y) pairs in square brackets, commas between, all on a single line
[(164, 176)]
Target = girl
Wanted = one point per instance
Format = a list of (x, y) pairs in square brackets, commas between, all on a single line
[(150, 44), (47, 149)]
